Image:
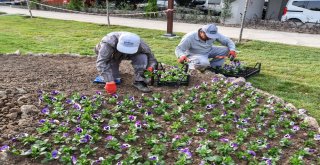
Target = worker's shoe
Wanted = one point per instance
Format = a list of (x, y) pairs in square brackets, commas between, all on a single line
[(141, 86)]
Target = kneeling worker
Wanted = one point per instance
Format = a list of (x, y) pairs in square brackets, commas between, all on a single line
[(118, 46), (197, 48)]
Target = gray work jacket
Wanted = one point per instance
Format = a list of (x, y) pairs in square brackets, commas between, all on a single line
[(107, 51), (191, 44)]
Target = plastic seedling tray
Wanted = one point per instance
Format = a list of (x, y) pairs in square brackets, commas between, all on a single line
[(181, 81), (246, 73)]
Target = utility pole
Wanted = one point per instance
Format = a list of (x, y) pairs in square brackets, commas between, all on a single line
[(107, 3), (169, 13), (243, 20)]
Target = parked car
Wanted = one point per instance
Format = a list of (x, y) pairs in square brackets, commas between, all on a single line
[(206, 6), (161, 4), (302, 11)]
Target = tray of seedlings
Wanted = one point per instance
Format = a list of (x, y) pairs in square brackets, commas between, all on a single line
[(169, 75), (237, 69)]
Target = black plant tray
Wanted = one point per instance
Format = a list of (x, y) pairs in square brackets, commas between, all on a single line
[(183, 81), (248, 72)]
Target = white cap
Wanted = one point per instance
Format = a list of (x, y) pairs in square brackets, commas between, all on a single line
[(128, 43), (211, 30)]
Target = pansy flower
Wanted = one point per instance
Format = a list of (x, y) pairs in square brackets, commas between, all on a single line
[(98, 161), (148, 113), (125, 146), (41, 121), (106, 127), (55, 92), (55, 154), (201, 130), (225, 140), (131, 98), (176, 137), (98, 93), (78, 129), (210, 106), (138, 124), (287, 136), (139, 105), (77, 106), (45, 110), (115, 96), (132, 118), (74, 159), (252, 153), (309, 150), (153, 158), (215, 79), (65, 135), (295, 128), (4, 148), (234, 145), (186, 152), (109, 137), (317, 137)]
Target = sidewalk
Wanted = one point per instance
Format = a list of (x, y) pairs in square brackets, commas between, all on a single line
[(310, 40)]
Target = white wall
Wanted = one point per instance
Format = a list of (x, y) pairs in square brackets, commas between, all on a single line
[(254, 11)]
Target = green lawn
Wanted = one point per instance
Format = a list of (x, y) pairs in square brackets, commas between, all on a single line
[(290, 72)]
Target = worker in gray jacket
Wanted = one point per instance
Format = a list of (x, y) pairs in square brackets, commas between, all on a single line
[(118, 46), (198, 50)]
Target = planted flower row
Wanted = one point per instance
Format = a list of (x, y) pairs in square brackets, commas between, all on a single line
[(214, 122)]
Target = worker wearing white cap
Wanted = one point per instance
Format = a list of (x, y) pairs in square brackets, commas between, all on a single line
[(118, 46), (197, 48)]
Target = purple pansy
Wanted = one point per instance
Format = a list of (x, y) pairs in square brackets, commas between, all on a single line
[(225, 140), (201, 130), (295, 128), (209, 106), (125, 145), (65, 135), (186, 151), (131, 98), (74, 159), (153, 158), (252, 153), (287, 136), (309, 150), (109, 137), (55, 92), (234, 146), (54, 154), (45, 110), (139, 105), (317, 137), (132, 118), (69, 101), (98, 93), (41, 121), (78, 129), (115, 96), (106, 127), (76, 106), (4, 148), (138, 124)]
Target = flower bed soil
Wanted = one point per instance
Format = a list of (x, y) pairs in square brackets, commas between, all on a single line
[(212, 114)]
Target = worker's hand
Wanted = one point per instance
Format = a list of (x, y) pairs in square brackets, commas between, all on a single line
[(183, 59), (111, 87), (150, 69), (232, 55)]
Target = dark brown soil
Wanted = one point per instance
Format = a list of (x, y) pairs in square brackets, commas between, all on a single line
[(23, 76)]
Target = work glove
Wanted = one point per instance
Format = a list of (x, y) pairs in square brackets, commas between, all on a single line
[(232, 55), (183, 59), (111, 87), (150, 69)]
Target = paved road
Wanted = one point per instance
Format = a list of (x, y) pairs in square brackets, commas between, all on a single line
[(310, 40)]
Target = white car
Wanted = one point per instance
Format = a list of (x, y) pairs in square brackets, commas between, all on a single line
[(209, 5), (302, 11), (161, 4)]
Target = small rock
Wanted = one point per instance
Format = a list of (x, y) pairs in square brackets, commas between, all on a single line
[(239, 81), (27, 109), (21, 91), (291, 107), (12, 116), (9, 105), (319, 130), (312, 122), (22, 100), (3, 95), (24, 122), (14, 110), (3, 156), (8, 91), (18, 52), (1, 140)]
